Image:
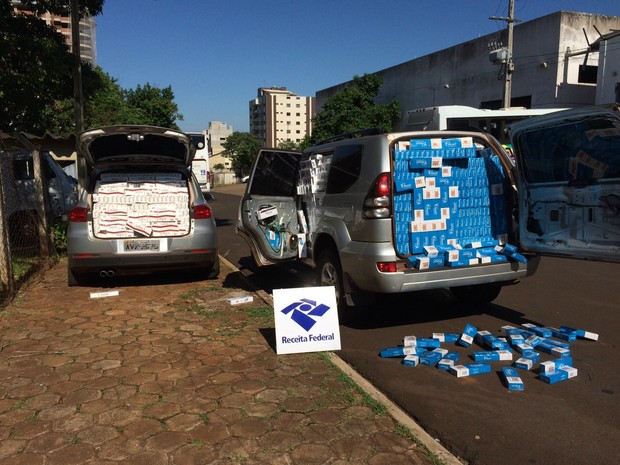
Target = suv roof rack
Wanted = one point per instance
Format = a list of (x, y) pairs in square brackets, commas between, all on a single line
[(352, 135)]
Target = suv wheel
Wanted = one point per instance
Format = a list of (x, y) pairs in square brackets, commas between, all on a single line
[(479, 294), (330, 274)]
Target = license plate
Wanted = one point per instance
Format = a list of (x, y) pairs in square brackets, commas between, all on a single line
[(140, 245)]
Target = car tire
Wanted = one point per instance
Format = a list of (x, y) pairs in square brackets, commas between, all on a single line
[(329, 273), (215, 271), (479, 294)]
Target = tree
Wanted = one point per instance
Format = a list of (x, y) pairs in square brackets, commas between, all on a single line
[(354, 109), (297, 146), (241, 148), (35, 63), (154, 106)]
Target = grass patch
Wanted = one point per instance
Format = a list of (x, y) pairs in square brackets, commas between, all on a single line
[(403, 431), (263, 313)]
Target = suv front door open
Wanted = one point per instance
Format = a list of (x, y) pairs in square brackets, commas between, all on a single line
[(268, 217), (569, 183)]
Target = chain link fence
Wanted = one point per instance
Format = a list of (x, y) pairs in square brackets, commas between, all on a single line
[(31, 229)]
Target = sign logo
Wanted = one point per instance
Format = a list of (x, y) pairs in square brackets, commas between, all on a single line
[(306, 324), (302, 312)]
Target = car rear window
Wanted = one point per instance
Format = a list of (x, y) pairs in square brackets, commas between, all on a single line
[(148, 144), (275, 174)]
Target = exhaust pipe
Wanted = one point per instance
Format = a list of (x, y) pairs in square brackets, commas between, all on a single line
[(106, 273)]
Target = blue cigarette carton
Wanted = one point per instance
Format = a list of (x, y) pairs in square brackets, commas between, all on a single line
[(424, 342), (527, 362), (470, 369), (400, 351), (432, 357), (580, 333), (446, 337), (524, 349), (491, 355), (411, 360), (533, 340), (467, 338), (553, 350), (540, 331), (516, 339), (564, 345), (565, 336), (448, 361), (512, 379), (562, 374), (551, 366)]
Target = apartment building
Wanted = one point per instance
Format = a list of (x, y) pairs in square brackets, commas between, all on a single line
[(88, 31), (278, 115)]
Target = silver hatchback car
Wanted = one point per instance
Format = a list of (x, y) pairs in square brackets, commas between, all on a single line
[(141, 209)]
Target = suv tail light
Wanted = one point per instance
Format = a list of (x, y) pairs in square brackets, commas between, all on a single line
[(78, 215), (202, 212), (377, 202)]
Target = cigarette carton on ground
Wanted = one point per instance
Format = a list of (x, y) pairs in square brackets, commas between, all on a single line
[(240, 300), (550, 367), (512, 379), (470, 369), (543, 332), (411, 360), (491, 355), (432, 357), (565, 336), (468, 335), (527, 362), (448, 361), (562, 374), (524, 349), (580, 333), (516, 339), (102, 294), (421, 342), (553, 350), (446, 337), (400, 351), (533, 340)]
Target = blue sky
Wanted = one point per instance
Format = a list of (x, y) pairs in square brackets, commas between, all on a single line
[(216, 54)]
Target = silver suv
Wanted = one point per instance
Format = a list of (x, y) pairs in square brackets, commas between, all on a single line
[(400, 212)]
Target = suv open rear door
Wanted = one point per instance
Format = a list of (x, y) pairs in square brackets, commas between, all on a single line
[(569, 183), (268, 213)]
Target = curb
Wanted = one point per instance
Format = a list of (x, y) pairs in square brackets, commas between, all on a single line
[(427, 441)]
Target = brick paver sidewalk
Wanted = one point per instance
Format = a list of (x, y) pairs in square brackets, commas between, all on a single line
[(170, 373)]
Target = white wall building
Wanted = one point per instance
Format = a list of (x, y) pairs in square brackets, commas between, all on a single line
[(554, 68)]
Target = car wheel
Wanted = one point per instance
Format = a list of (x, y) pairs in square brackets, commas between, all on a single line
[(330, 274), (480, 294), (215, 270)]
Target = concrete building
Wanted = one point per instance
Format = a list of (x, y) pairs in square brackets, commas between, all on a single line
[(217, 132), (555, 67), (608, 80), (88, 31), (278, 115)]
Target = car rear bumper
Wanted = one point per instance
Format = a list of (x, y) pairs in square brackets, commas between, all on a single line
[(359, 265)]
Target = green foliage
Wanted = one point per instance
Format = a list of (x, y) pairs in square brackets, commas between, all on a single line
[(219, 166), (153, 105), (59, 235), (36, 79), (241, 148), (354, 108), (297, 146)]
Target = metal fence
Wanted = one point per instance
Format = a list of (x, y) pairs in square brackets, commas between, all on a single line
[(27, 226)]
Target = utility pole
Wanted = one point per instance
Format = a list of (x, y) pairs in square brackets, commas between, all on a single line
[(510, 66)]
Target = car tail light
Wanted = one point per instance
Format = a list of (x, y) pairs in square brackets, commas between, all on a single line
[(202, 212), (78, 215), (386, 267), (377, 201)]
